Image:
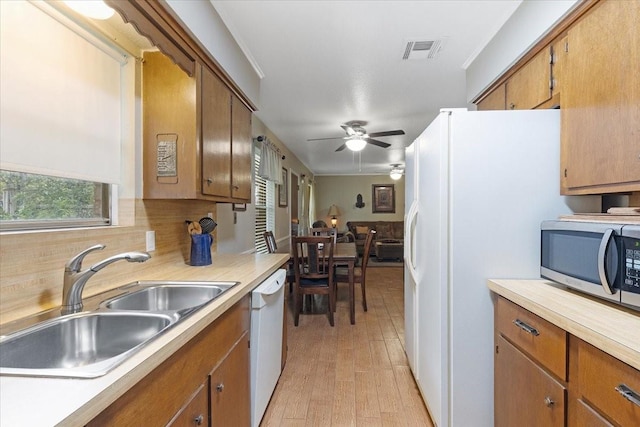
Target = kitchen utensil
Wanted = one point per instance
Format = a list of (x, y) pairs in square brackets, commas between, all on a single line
[(194, 228), (207, 224)]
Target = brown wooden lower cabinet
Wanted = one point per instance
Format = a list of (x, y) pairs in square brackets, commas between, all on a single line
[(195, 411), (173, 393), (525, 394), (586, 416), (601, 383), (230, 388), (532, 388)]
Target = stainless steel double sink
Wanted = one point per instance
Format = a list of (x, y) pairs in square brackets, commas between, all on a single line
[(91, 343)]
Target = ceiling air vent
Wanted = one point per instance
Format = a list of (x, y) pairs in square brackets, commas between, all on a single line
[(421, 49)]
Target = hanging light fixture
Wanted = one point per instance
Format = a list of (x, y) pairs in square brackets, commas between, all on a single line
[(396, 172), (356, 143), (95, 9)]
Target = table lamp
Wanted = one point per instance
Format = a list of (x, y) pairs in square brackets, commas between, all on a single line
[(333, 213)]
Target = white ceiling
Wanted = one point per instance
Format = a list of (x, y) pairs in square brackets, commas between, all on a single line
[(329, 62)]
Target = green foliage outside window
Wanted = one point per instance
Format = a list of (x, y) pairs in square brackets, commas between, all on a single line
[(30, 197)]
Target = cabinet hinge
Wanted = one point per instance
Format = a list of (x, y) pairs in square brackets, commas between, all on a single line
[(497, 349), (249, 343), (566, 46)]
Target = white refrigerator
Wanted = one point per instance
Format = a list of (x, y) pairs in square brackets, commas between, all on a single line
[(478, 184)]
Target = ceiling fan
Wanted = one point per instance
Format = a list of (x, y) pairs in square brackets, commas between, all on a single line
[(357, 137)]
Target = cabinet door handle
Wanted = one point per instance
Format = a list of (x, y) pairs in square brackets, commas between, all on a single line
[(512, 106), (220, 387), (549, 402), (209, 181), (198, 420), (530, 329), (629, 394)]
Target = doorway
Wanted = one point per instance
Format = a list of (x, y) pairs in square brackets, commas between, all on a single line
[(294, 190)]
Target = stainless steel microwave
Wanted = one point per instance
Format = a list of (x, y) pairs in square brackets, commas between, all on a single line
[(602, 259)]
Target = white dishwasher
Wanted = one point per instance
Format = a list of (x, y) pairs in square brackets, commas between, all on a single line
[(267, 314)]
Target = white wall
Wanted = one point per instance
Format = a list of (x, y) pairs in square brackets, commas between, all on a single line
[(204, 22), (528, 24)]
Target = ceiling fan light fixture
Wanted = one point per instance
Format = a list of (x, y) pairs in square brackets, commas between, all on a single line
[(356, 144), (396, 173)]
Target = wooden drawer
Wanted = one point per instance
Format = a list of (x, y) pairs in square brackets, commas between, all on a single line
[(600, 378), (541, 340)]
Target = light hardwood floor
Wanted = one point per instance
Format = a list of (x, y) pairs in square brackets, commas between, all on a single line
[(350, 375)]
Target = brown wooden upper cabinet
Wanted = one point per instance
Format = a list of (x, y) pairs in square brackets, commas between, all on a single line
[(530, 86), (495, 100), (197, 135), (600, 127), (588, 65)]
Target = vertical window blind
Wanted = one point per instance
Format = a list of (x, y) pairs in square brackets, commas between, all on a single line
[(264, 202)]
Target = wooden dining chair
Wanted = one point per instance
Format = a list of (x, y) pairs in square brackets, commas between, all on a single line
[(359, 272), (272, 247), (313, 269), (270, 240), (324, 231)]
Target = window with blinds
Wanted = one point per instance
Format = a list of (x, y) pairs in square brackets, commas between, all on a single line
[(264, 203)]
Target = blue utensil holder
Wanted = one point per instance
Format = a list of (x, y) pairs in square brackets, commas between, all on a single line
[(201, 249)]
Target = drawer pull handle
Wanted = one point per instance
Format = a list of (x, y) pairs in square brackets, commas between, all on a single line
[(629, 394), (530, 329), (198, 420)]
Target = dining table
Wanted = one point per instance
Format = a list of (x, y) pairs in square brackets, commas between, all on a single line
[(345, 254)]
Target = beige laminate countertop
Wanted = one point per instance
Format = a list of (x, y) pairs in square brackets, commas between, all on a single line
[(613, 329), (61, 401)]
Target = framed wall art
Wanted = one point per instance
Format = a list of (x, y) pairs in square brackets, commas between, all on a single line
[(283, 200), (384, 198)]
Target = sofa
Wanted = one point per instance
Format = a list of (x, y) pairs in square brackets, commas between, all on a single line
[(389, 236)]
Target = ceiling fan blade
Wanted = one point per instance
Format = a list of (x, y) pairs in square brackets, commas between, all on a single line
[(377, 143), (348, 129), (342, 147), (325, 139), (387, 133)]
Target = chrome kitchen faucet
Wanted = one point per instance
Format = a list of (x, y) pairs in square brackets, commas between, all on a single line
[(75, 279)]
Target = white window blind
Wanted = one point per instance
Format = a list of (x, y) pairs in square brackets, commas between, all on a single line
[(264, 202), (62, 99)]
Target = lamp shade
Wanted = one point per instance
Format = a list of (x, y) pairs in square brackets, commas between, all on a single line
[(396, 173), (356, 144), (333, 211)]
